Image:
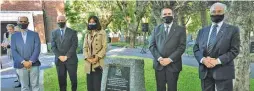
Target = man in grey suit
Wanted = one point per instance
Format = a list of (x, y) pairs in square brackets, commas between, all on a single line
[(167, 45), (216, 47), (64, 44), (25, 49)]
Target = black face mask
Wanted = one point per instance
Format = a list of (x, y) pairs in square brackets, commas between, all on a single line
[(217, 18), (61, 24), (23, 26), (92, 26), (168, 19)]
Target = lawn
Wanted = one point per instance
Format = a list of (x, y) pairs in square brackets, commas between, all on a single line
[(188, 80)]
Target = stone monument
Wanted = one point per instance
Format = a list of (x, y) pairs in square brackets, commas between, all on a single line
[(121, 74)]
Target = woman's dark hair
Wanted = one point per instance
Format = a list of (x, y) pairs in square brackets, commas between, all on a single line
[(96, 19)]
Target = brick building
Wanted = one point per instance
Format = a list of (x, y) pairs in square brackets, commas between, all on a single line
[(41, 13)]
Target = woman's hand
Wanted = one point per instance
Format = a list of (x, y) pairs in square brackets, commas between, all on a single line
[(95, 59), (89, 60), (92, 60)]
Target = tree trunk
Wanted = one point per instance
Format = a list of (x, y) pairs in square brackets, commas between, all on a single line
[(132, 35), (245, 23), (139, 13), (105, 21), (203, 14), (133, 21)]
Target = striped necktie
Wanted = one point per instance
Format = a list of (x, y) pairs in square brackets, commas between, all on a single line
[(212, 39)]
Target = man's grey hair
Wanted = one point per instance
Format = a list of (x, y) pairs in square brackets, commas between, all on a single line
[(17, 28), (10, 25), (218, 4)]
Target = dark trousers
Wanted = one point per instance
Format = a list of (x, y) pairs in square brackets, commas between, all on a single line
[(164, 77), (94, 80), (209, 83), (62, 69)]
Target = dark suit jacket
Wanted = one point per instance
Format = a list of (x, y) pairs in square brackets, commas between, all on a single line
[(168, 46), (28, 51), (66, 46), (226, 49)]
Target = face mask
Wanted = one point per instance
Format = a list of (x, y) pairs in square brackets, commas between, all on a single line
[(61, 24), (217, 18), (23, 26), (168, 19), (92, 26)]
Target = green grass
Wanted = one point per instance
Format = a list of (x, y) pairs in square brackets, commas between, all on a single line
[(189, 51), (188, 80), (125, 44), (120, 44), (51, 81)]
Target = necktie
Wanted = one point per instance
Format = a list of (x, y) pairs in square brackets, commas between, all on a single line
[(212, 39), (62, 33), (167, 29)]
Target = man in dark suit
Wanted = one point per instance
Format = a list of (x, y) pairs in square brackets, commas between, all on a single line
[(216, 47), (167, 45), (64, 44), (25, 49)]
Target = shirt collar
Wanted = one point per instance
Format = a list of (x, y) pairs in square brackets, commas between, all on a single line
[(219, 24), (63, 28), (25, 31), (169, 25)]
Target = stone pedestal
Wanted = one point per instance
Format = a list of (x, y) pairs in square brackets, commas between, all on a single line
[(121, 74)]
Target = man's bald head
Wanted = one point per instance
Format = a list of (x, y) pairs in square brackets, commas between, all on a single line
[(23, 19), (23, 22), (61, 18)]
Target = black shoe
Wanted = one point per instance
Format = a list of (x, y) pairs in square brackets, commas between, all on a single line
[(18, 86), (16, 81)]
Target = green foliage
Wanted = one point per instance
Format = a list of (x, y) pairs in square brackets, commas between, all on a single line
[(189, 51), (124, 15), (194, 24)]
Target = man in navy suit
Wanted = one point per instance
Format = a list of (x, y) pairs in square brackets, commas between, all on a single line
[(25, 50), (215, 50)]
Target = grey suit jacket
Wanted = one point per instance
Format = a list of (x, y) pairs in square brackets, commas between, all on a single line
[(170, 45), (66, 46), (226, 49)]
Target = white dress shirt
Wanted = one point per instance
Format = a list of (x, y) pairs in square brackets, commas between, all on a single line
[(169, 27), (62, 33), (211, 29), (24, 35)]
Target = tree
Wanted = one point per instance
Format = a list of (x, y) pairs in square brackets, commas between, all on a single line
[(241, 14), (78, 12), (133, 12)]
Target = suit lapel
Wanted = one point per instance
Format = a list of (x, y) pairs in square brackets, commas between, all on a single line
[(171, 33), (65, 34), (20, 38), (161, 33), (220, 33), (58, 33), (95, 34), (28, 35), (205, 36)]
